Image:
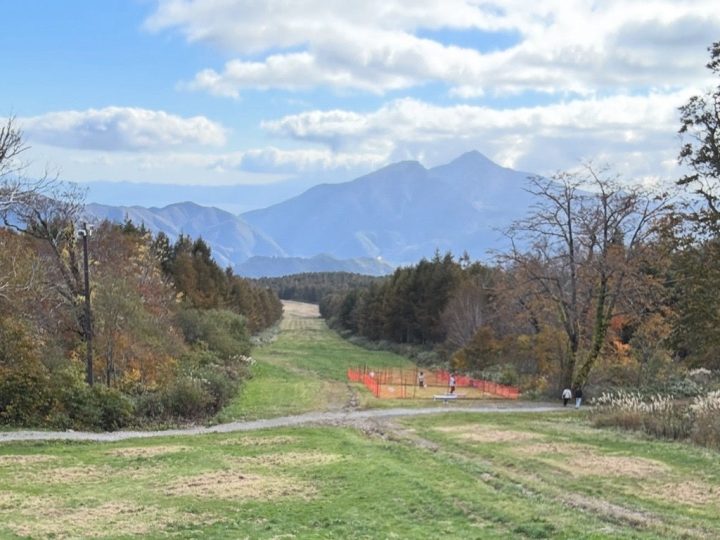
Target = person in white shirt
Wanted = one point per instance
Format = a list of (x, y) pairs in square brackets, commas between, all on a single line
[(566, 395)]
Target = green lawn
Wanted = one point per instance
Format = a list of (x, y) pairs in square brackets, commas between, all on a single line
[(305, 369), (456, 475)]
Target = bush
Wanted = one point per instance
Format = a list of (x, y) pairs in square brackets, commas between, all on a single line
[(149, 405), (706, 415), (25, 399), (79, 406), (114, 409), (221, 332), (220, 387), (186, 398), (661, 416)]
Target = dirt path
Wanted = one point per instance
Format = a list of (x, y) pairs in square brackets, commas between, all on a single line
[(333, 418)]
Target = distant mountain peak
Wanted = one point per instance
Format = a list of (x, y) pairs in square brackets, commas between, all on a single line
[(473, 158)]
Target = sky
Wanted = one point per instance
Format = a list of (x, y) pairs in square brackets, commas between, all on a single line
[(219, 92)]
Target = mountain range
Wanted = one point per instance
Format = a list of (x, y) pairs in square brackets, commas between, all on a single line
[(393, 216)]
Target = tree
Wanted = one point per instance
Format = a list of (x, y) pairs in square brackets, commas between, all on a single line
[(700, 129), (468, 309), (46, 210), (583, 252), (696, 263)]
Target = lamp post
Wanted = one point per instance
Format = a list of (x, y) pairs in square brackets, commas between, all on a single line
[(83, 233)]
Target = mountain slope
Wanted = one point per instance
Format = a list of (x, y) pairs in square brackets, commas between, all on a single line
[(401, 213), (231, 239)]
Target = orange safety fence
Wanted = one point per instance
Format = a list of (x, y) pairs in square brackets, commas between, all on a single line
[(403, 383), (356, 375)]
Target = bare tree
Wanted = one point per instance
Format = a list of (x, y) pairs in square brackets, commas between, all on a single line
[(700, 131), (47, 210), (15, 186), (466, 311), (579, 250)]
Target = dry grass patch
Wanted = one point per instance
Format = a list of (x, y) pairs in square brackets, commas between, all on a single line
[(63, 475), (146, 452), (593, 464), (11, 502), (84, 474), (583, 460), (259, 441), (10, 460), (552, 448), (236, 485), (300, 309), (690, 492), (287, 459), (42, 517), (484, 434)]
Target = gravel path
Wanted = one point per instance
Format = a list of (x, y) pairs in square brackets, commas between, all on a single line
[(284, 421)]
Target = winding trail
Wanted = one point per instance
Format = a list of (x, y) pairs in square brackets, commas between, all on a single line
[(333, 418)]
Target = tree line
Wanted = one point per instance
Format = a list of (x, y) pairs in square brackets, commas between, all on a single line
[(311, 287), (604, 281), (168, 330)]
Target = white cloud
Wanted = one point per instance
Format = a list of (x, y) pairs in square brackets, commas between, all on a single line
[(121, 128), (636, 134), (563, 46), (299, 161)]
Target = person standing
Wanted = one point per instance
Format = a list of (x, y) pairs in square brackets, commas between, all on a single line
[(578, 397), (566, 395), (421, 380), (452, 383)]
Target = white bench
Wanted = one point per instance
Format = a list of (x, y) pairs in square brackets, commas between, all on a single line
[(445, 397)]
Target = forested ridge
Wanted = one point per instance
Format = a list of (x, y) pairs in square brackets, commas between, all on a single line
[(169, 329), (314, 286)]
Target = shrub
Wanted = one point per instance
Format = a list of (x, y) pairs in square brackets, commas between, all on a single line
[(150, 405), (25, 398), (186, 398), (658, 415), (114, 410), (220, 387), (79, 406), (706, 415), (222, 332)]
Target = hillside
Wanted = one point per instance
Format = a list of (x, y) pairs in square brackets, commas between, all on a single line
[(232, 240), (393, 216), (401, 213)]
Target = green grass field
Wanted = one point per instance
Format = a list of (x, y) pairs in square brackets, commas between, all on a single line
[(457, 475), (453, 475), (305, 369)]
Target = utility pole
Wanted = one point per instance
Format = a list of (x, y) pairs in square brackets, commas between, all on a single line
[(84, 233)]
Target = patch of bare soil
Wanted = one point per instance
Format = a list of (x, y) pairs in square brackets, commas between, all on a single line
[(44, 517), (690, 492), (9, 460), (483, 434), (287, 459), (236, 485), (146, 452)]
